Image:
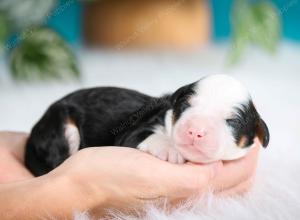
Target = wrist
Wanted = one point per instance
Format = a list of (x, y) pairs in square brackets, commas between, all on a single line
[(83, 195), (34, 198)]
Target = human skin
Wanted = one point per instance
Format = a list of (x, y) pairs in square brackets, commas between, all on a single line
[(95, 179)]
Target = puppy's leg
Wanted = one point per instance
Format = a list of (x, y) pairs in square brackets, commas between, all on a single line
[(160, 146), (73, 137), (53, 139)]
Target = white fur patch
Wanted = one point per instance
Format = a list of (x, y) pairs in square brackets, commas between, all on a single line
[(216, 98), (73, 137), (219, 94), (168, 123), (160, 146)]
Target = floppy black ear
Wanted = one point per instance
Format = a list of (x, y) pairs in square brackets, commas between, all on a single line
[(182, 93), (176, 95), (262, 132)]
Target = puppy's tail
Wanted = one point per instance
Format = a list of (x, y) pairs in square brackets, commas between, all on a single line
[(54, 138)]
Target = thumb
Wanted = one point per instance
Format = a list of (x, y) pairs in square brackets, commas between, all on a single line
[(235, 172), (196, 176)]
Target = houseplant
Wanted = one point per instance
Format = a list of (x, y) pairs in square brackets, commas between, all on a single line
[(34, 51), (257, 23)]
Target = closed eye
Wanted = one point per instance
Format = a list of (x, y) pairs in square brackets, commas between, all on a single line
[(233, 122), (183, 106)]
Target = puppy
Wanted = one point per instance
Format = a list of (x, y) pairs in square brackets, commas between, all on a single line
[(209, 120)]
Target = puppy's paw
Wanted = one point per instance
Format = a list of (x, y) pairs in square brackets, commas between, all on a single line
[(161, 149), (168, 154)]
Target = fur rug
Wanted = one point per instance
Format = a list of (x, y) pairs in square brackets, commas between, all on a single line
[(275, 196), (273, 82), (276, 193)]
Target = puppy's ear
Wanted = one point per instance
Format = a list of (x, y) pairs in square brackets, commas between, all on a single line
[(262, 132), (176, 95), (182, 93)]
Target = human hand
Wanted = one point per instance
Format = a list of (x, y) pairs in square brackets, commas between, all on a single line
[(123, 178), (115, 177), (12, 147)]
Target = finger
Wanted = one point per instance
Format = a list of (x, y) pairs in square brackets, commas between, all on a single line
[(203, 172), (234, 172), (179, 173), (190, 179), (240, 189)]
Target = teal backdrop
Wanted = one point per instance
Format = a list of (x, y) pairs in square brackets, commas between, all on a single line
[(289, 10), (69, 21)]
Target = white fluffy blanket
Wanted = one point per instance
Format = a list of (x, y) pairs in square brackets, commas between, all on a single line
[(273, 82), (275, 196)]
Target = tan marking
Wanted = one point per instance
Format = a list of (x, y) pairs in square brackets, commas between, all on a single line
[(242, 142), (70, 121)]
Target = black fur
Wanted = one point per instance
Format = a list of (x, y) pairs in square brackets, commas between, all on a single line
[(108, 116), (180, 100), (247, 124), (105, 116), (46, 146)]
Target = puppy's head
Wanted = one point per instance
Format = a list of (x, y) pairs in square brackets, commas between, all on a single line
[(214, 118)]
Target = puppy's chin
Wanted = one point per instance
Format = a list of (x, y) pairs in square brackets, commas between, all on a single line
[(225, 153), (196, 156)]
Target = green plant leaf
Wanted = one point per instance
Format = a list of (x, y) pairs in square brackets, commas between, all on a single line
[(257, 23), (22, 14), (3, 32), (42, 55), (242, 21), (268, 26)]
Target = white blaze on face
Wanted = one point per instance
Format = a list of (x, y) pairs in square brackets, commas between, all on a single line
[(219, 94), (214, 101)]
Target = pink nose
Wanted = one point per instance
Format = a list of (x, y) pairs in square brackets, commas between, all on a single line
[(196, 134)]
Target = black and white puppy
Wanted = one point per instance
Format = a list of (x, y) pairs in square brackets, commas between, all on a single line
[(208, 120)]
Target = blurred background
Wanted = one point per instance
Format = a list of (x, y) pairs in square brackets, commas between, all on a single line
[(50, 48)]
